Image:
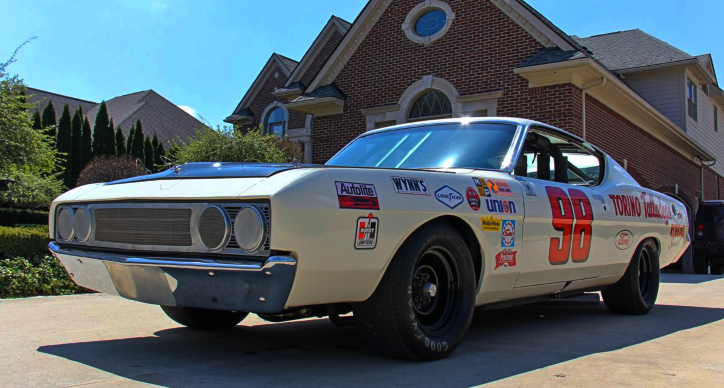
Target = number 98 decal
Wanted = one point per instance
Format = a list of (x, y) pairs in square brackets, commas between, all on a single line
[(572, 215)]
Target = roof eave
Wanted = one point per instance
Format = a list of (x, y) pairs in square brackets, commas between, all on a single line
[(318, 107)]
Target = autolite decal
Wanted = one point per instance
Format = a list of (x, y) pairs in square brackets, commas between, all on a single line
[(357, 196), (505, 258), (412, 186)]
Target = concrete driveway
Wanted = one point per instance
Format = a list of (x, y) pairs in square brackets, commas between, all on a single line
[(98, 340)]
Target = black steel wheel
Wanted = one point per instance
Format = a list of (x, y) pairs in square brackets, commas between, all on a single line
[(636, 292), (204, 319), (424, 303)]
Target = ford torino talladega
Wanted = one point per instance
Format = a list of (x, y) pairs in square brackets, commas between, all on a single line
[(409, 227)]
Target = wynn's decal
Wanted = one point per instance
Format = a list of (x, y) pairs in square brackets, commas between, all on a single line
[(490, 224), (473, 198), (499, 206), (449, 197), (624, 240), (500, 187), (647, 205), (367, 231), (357, 196), (482, 186), (412, 186), (507, 234), (573, 217), (505, 258)]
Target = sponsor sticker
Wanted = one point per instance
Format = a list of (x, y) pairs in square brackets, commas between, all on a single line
[(645, 205), (624, 240), (482, 186), (367, 231), (500, 188), (507, 234), (449, 197), (357, 196), (490, 224), (411, 186), (677, 234), (473, 198), (505, 258), (500, 206), (529, 189)]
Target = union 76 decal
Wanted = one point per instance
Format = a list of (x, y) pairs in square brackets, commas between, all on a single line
[(573, 216)]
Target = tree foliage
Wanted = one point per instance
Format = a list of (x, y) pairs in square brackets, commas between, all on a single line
[(110, 168), (209, 145), (158, 153), (37, 121), (48, 120), (100, 129), (148, 154), (86, 144), (138, 137), (31, 191), (76, 147), (120, 141)]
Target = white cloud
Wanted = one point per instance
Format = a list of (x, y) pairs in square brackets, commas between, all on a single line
[(188, 110)]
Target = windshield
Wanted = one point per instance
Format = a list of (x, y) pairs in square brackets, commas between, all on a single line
[(479, 146)]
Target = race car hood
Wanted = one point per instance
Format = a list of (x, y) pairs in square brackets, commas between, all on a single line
[(214, 170)]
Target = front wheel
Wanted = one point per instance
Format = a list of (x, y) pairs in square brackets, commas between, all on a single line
[(204, 319), (636, 292), (424, 303)]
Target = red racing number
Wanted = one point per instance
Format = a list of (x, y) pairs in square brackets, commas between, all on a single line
[(573, 216)]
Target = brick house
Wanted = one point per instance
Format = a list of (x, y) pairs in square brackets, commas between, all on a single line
[(652, 107)]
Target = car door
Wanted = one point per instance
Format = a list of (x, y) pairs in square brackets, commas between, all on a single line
[(565, 212)]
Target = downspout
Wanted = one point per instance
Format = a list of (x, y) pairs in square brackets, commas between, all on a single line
[(583, 102), (703, 163)]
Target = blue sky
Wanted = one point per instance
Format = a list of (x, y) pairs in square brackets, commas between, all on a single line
[(204, 55)]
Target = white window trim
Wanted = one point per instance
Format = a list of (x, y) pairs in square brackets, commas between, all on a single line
[(265, 116), (409, 25)]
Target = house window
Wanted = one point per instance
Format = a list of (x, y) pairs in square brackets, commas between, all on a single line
[(431, 105), (705, 89), (276, 122), (428, 21), (716, 119), (691, 99)]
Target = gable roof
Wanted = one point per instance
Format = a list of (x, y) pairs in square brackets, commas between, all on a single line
[(157, 114), (42, 97)]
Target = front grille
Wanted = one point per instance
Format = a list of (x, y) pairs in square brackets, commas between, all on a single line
[(233, 210), (144, 226)]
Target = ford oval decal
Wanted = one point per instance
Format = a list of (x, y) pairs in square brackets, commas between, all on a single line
[(624, 240)]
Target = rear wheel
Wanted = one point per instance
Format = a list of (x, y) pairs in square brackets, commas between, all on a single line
[(636, 292), (423, 305), (204, 319)]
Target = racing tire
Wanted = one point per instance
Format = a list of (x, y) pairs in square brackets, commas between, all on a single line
[(204, 319), (700, 266), (423, 306), (635, 293)]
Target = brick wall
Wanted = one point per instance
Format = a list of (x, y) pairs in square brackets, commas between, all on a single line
[(265, 97), (321, 58)]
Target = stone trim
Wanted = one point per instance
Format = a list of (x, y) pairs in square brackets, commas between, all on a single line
[(266, 72), (265, 114), (531, 24), (327, 32), (408, 25)]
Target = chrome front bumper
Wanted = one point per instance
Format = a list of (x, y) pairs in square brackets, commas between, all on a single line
[(211, 284)]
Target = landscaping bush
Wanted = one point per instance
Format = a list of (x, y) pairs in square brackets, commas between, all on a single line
[(209, 145), (31, 191), (23, 242), (15, 217), (36, 276), (110, 168)]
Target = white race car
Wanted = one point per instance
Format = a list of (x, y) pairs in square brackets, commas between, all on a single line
[(410, 227)]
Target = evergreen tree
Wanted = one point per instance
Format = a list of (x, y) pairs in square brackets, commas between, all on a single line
[(48, 119), (99, 131), (86, 144), (137, 149), (37, 122), (158, 153), (63, 144), (148, 154), (120, 142), (154, 142), (129, 141), (76, 148), (110, 138)]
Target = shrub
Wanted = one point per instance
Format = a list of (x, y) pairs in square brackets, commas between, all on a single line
[(23, 242), (110, 168), (38, 275), (13, 217), (209, 145), (31, 191)]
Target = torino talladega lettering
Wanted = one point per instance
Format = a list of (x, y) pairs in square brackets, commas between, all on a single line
[(357, 196), (647, 205)]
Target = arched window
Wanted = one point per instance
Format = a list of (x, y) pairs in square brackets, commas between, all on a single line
[(276, 122), (431, 105)]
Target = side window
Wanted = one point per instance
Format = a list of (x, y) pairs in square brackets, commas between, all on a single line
[(550, 157)]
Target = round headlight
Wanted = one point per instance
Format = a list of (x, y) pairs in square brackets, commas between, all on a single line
[(214, 227), (82, 224), (249, 229), (65, 224)]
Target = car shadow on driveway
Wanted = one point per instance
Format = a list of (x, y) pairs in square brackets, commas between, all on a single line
[(677, 278), (499, 344)]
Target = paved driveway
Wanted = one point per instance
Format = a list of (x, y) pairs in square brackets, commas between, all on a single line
[(98, 340)]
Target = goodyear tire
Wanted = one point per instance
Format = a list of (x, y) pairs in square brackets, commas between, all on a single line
[(635, 293), (204, 319), (424, 303)]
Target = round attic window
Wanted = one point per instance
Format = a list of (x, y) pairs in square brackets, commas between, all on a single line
[(428, 21)]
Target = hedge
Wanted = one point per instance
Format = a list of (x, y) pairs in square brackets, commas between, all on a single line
[(36, 276), (23, 242), (13, 217)]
